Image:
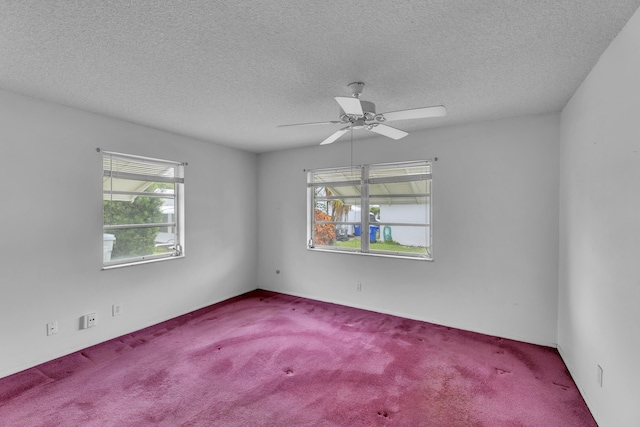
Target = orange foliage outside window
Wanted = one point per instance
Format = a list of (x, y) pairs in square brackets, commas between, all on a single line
[(323, 234)]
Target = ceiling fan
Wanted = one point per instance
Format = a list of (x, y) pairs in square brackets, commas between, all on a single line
[(360, 114)]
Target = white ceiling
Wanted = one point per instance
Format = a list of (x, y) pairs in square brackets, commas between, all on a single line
[(230, 72)]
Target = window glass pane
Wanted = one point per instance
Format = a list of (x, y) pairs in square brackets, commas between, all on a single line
[(336, 220), (397, 199), (141, 210), (141, 191), (135, 242), (339, 236), (129, 185), (402, 239), (336, 205), (410, 210)]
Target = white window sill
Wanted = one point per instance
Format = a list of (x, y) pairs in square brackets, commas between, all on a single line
[(146, 261), (373, 254)]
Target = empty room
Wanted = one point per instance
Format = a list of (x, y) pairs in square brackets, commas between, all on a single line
[(407, 213)]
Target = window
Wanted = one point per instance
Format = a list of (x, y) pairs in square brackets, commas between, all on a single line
[(381, 209), (142, 209)]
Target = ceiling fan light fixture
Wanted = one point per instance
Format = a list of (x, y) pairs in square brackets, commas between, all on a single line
[(358, 124)]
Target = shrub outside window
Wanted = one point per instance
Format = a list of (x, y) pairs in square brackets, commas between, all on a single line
[(142, 209), (379, 209)]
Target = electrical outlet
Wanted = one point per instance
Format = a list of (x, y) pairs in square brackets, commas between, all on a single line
[(358, 286), (52, 328), (116, 310), (88, 321), (91, 320), (600, 373)]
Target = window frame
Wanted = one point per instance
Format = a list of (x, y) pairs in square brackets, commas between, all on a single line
[(366, 182), (108, 192)]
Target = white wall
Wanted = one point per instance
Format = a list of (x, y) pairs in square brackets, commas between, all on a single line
[(495, 234), (51, 215), (599, 301)]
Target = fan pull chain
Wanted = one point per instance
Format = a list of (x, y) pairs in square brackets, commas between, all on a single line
[(351, 145)]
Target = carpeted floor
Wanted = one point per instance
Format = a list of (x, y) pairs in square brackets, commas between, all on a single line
[(266, 359)]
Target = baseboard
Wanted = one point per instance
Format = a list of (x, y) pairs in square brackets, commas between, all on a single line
[(421, 319), (571, 370), (152, 323)]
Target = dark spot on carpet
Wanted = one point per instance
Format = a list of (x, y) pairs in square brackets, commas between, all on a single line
[(221, 367), (137, 343), (465, 372), (523, 357), (383, 414), (65, 366), (502, 371), (16, 384), (156, 379), (404, 327), (562, 386), (84, 406), (289, 372), (500, 352)]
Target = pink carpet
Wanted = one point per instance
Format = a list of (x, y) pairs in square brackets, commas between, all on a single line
[(266, 359)]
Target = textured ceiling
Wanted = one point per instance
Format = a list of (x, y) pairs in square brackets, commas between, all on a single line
[(230, 72)]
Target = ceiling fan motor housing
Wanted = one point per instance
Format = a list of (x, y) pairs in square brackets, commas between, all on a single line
[(356, 88), (369, 109)]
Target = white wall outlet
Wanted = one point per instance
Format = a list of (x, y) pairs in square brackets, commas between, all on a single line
[(116, 310), (358, 286), (88, 321), (52, 328), (600, 372)]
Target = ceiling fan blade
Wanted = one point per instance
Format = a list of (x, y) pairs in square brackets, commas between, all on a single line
[(310, 124), (389, 131), (335, 136), (416, 113), (350, 105)]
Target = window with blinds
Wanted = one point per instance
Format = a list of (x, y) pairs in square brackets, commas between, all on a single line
[(142, 209), (380, 209)]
